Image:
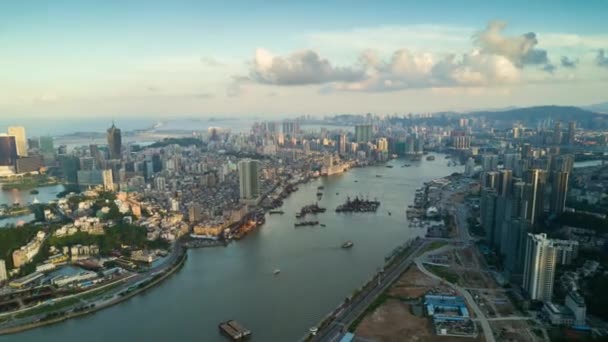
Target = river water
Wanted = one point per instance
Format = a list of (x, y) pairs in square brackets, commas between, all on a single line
[(237, 281)]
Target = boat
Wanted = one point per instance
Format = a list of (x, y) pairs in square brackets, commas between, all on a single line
[(34, 192), (280, 212), (389, 213), (323, 225), (356, 181), (430, 158), (378, 176), (276, 271), (320, 187), (347, 244), (389, 166), (313, 331), (337, 193)]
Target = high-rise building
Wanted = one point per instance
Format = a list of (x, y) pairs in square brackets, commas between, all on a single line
[(571, 132), (249, 179), (114, 142), (539, 267), (342, 144), (194, 213), (3, 275), (108, 180), (159, 183), (8, 150), (557, 134), (534, 194), (290, 127), (20, 139), (363, 133), (382, 145), (489, 162), (559, 192), (46, 145)]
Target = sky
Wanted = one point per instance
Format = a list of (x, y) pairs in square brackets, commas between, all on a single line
[(91, 59)]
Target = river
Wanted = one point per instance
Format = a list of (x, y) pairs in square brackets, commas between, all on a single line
[(237, 281)]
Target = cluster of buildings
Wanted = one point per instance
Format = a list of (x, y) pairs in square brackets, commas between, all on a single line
[(15, 157)]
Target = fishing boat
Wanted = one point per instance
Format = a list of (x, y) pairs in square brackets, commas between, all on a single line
[(347, 244), (276, 271)]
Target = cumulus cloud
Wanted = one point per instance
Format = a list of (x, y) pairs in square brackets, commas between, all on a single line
[(211, 62), (518, 49), (568, 63), (601, 59), (299, 68), (496, 60)]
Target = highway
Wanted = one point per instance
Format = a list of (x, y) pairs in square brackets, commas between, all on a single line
[(358, 305)]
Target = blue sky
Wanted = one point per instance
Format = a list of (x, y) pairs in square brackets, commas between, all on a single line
[(171, 58)]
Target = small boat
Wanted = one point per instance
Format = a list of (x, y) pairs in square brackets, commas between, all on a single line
[(321, 187), (313, 331), (389, 166), (323, 225), (337, 193), (347, 244), (276, 271), (356, 181), (389, 213), (378, 176), (34, 192)]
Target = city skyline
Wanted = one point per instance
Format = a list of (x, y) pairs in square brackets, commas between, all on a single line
[(201, 58)]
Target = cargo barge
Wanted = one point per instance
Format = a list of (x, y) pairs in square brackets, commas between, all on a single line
[(234, 330)]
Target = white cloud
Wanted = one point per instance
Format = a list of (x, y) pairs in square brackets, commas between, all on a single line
[(519, 49), (298, 68)]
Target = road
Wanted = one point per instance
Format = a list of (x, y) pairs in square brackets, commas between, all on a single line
[(481, 318), (99, 301), (358, 305)]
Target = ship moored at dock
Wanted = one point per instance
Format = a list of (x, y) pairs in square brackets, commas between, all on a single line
[(234, 330)]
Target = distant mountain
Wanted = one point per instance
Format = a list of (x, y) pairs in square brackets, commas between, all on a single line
[(598, 107), (584, 118)]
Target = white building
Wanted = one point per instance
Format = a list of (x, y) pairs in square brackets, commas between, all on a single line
[(3, 276), (19, 133), (539, 268), (576, 303)]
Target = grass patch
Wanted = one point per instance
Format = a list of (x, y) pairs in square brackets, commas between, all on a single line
[(433, 246), (444, 273), (382, 298), (48, 308)]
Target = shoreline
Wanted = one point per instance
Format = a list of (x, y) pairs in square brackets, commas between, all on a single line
[(177, 266)]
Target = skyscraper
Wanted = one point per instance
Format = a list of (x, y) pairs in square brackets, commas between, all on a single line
[(46, 145), (342, 144), (571, 132), (534, 194), (489, 162), (3, 275), (114, 142), (8, 150), (249, 179), (559, 192), (557, 134), (539, 266), (20, 140), (363, 133)]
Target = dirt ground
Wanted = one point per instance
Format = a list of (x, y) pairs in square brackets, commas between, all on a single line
[(514, 331), (393, 322)]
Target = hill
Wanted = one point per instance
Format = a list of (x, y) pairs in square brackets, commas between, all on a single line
[(584, 118)]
